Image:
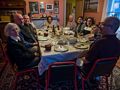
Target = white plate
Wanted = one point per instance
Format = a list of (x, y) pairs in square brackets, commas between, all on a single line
[(41, 38), (68, 32), (83, 40), (60, 48), (81, 46)]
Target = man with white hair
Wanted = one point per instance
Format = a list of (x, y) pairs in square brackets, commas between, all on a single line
[(107, 46), (71, 23), (16, 49)]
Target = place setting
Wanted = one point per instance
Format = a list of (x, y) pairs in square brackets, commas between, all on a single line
[(60, 48), (81, 46)]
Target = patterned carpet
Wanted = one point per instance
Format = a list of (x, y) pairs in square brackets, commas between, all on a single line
[(29, 81)]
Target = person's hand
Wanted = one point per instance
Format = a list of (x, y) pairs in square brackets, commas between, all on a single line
[(84, 60), (36, 54), (35, 44)]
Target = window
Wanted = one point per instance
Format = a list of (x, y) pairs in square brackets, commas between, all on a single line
[(114, 8)]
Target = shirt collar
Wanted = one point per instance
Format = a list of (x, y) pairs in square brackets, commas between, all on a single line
[(15, 38)]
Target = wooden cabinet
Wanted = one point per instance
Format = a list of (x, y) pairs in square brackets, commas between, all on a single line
[(7, 9)]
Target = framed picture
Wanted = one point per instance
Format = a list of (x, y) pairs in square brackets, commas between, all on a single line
[(33, 7), (42, 10), (56, 10), (56, 7), (90, 5), (49, 7)]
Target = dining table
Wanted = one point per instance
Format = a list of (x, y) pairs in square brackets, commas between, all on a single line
[(59, 52)]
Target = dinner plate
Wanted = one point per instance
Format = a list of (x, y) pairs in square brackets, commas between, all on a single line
[(42, 38), (81, 46), (60, 48), (68, 32), (83, 40)]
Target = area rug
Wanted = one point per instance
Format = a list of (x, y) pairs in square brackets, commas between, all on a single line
[(29, 81), (7, 78)]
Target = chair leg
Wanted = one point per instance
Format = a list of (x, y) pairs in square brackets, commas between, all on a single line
[(111, 81), (15, 81), (75, 80), (83, 84), (46, 82), (107, 83)]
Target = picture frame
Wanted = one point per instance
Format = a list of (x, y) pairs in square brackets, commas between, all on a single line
[(91, 5), (56, 7), (56, 10), (49, 7), (33, 6), (42, 10)]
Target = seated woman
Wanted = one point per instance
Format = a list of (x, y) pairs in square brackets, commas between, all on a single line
[(49, 23), (16, 50), (89, 25), (79, 24)]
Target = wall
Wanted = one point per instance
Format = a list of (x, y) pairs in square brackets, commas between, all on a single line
[(61, 8), (97, 15), (71, 1)]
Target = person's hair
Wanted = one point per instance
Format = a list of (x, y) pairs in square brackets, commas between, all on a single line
[(30, 14), (114, 22), (9, 27), (78, 18), (49, 17), (25, 15), (93, 20)]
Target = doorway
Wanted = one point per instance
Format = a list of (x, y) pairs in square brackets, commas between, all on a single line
[(74, 7)]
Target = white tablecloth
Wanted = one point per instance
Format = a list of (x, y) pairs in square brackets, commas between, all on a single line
[(52, 56)]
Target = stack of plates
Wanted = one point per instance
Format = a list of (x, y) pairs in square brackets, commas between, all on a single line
[(60, 48), (42, 38)]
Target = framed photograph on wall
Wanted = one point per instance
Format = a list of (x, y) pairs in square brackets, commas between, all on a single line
[(90, 5), (56, 7), (49, 7), (33, 6)]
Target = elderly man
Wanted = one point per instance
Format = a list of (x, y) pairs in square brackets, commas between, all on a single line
[(28, 39), (71, 23), (28, 31), (107, 46), (16, 49)]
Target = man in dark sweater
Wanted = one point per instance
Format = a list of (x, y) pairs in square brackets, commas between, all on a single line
[(28, 31), (107, 46)]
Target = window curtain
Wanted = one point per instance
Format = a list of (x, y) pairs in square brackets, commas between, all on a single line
[(104, 14)]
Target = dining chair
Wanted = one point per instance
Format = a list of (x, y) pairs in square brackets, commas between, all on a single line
[(61, 71), (23, 73), (101, 67), (4, 63), (2, 48)]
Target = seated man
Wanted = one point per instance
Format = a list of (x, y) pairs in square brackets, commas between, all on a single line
[(29, 43), (71, 23), (28, 31), (16, 50), (107, 46)]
